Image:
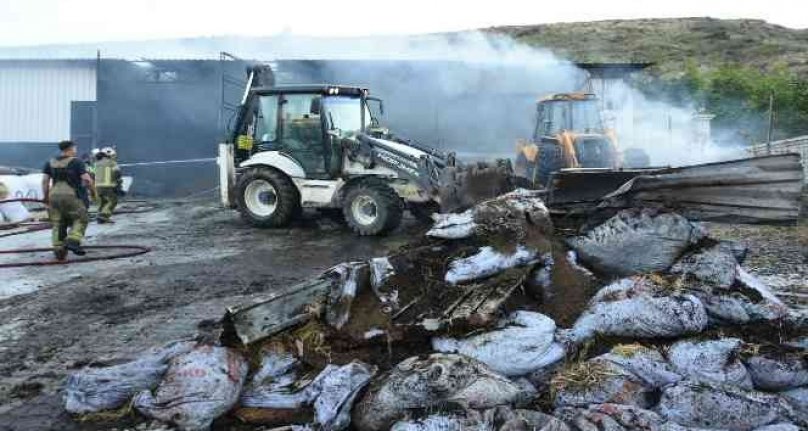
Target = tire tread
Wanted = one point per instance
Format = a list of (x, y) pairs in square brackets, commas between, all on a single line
[(288, 198)]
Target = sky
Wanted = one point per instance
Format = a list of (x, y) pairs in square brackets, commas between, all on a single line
[(39, 22)]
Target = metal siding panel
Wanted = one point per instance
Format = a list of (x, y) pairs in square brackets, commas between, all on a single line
[(798, 145), (763, 189), (35, 99)]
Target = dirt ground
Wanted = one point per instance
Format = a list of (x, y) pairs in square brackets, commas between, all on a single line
[(60, 318), (778, 256), (56, 319)]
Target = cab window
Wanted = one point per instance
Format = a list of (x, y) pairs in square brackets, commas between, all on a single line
[(267, 124), (553, 118), (301, 125), (344, 113), (302, 132)]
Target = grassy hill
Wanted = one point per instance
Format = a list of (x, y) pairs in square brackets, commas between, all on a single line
[(671, 43), (729, 67)]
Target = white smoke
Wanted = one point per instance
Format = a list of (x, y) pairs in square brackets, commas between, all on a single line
[(670, 135), (472, 92)]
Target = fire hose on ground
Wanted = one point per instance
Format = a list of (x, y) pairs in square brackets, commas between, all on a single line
[(129, 250)]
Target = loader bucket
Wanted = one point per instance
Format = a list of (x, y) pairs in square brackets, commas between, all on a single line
[(464, 186)]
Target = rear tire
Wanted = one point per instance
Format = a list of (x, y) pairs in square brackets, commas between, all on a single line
[(371, 207), (267, 198)]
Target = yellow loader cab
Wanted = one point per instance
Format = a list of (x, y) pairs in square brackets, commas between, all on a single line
[(569, 133)]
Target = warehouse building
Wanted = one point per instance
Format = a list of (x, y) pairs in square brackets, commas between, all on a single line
[(152, 111), (38, 101), (165, 117)]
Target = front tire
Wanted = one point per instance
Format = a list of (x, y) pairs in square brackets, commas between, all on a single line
[(372, 208), (267, 198)]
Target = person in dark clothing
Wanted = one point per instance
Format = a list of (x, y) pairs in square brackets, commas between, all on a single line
[(66, 186)]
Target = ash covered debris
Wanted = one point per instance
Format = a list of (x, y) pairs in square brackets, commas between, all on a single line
[(642, 322)]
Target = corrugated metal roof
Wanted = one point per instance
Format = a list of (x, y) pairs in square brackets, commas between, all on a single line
[(35, 98), (39, 61)]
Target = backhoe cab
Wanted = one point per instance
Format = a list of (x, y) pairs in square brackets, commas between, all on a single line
[(569, 133), (320, 146)]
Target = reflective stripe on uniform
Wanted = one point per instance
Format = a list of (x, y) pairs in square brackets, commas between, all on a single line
[(105, 173), (103, 177)]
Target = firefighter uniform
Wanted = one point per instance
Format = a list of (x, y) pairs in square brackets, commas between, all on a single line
[(68, 201), (107, 182)]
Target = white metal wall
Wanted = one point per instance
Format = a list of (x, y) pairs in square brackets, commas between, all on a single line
[(35, 98)]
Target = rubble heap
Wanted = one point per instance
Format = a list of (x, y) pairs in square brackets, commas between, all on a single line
[(492, 322)]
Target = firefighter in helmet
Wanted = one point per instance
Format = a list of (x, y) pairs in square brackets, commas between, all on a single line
[(91, 163), (66, 187), (107, 182)]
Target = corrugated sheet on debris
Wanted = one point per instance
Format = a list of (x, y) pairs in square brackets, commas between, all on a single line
[(761, 189)]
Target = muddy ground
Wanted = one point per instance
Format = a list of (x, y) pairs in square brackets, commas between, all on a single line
[(57, 319), (778, 255)]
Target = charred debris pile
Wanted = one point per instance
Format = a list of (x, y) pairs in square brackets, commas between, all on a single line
[(493, 321)]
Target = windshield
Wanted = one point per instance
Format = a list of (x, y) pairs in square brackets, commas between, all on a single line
[(345, 114), (586, 116), (267, 125), (582, 116)]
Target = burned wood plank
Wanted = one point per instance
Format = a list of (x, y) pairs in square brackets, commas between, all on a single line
[(482, 301)]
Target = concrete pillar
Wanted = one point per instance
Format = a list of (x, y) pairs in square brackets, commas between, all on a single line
[(702, 134)]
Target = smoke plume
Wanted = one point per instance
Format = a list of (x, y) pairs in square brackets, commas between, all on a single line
[(470, 92)]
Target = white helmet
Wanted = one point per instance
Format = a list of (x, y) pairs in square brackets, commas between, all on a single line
[(109, 151)]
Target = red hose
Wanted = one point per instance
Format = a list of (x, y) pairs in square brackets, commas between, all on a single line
[(29, 200), (135, 250), (136, 210), (30, 227)]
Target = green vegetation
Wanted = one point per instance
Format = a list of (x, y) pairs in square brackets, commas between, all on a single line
[(728, 67), (739, 97)]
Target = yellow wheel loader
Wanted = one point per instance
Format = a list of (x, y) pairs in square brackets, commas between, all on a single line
[(569, 133)]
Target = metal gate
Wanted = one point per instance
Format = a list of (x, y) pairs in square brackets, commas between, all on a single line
[(83, 124)]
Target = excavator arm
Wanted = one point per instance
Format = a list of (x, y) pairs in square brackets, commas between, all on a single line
[(453, 185)]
